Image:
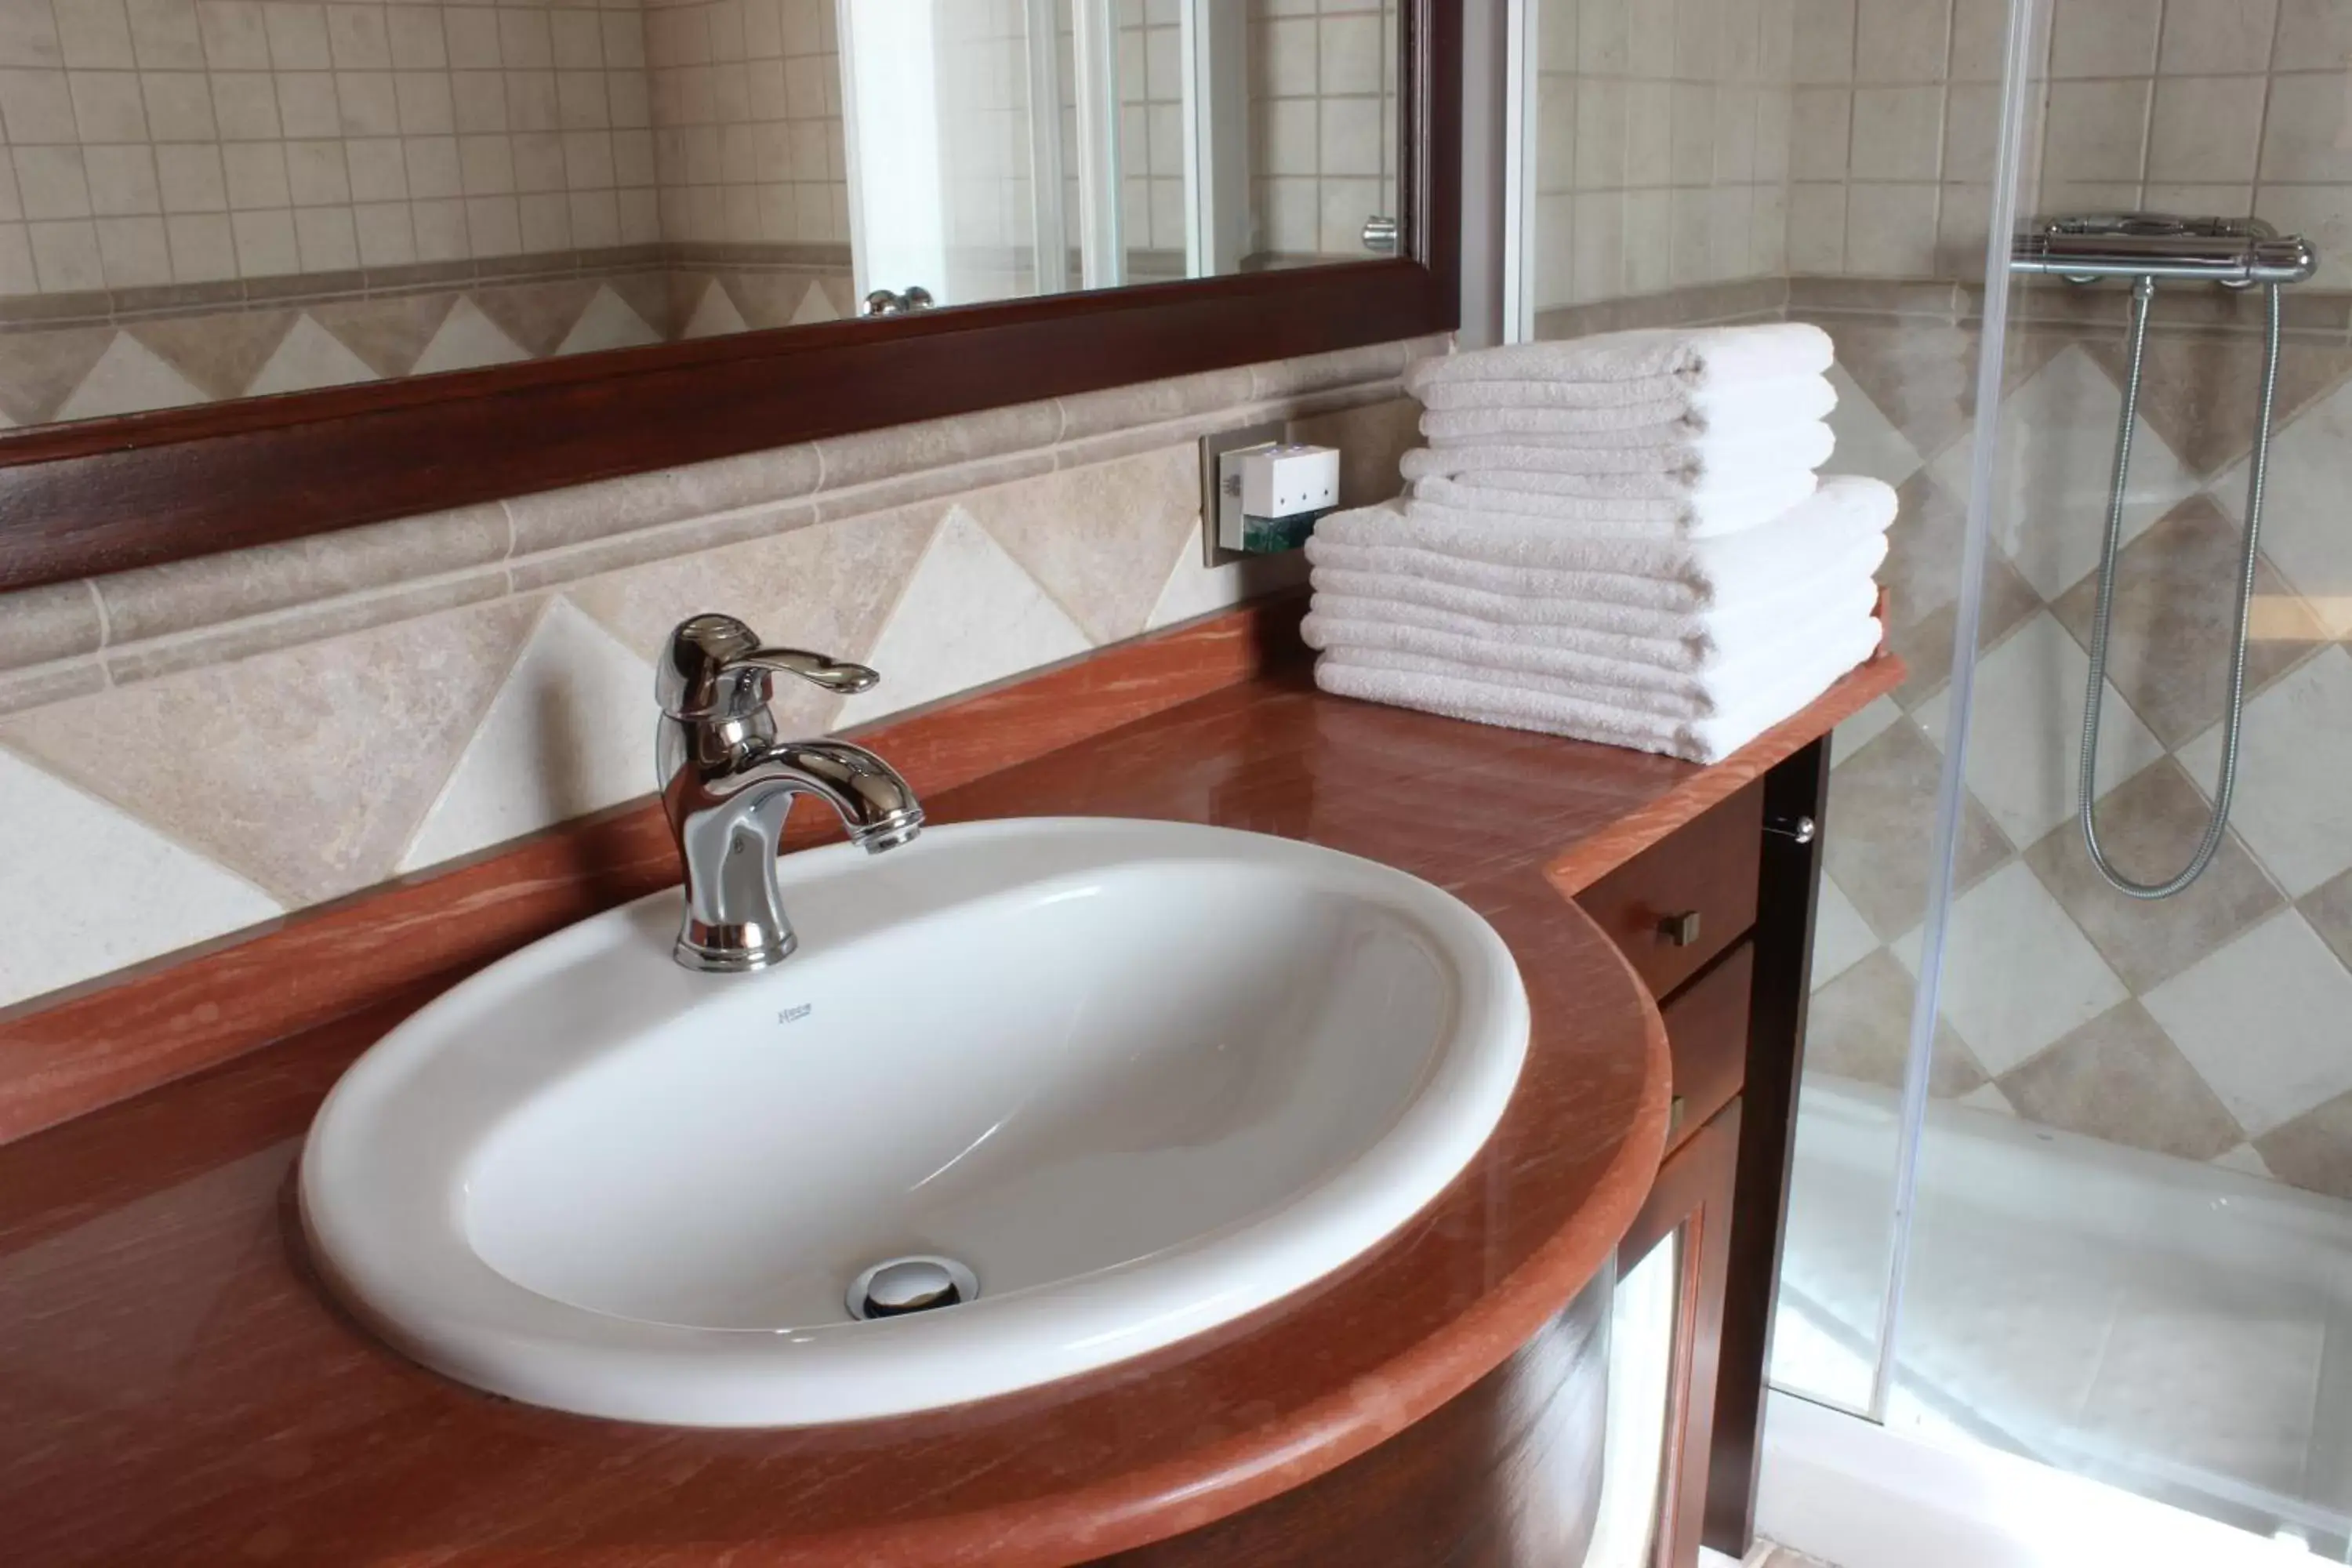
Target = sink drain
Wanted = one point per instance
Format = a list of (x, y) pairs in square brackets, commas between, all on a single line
[(899, 1286)]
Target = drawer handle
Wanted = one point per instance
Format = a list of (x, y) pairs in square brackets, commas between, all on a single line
[(1796, 830), (1681, 929)]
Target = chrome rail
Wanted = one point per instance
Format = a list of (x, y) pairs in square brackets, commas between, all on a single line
[(2237, 253)]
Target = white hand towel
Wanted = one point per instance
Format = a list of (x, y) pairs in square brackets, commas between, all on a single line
[(1711, 518), (1712, 684), (1694, 462), (1487, 702), (1601, 601), (1479, 408), (1716, 356), (1688, 641), (1804, 537), (1652, 401)]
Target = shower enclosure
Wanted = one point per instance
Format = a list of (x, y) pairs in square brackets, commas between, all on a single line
[(2073, 1168)]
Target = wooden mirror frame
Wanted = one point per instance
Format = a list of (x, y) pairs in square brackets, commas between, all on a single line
[(105, 495)]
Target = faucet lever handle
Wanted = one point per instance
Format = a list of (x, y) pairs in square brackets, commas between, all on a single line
[(716, 668)]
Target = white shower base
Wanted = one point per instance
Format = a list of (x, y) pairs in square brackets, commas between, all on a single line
[(2176, 1329)]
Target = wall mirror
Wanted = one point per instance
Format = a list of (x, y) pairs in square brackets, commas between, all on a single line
[(269, 266)]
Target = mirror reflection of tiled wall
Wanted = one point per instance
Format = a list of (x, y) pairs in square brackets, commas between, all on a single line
[(210, 199)]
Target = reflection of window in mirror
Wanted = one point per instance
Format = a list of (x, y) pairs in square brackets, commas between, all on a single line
[(210, 199)]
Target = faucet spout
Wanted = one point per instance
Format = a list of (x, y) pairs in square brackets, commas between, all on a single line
[(877, 805)]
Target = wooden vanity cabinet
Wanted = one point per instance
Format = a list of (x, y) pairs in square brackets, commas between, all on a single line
[(1718, 920)]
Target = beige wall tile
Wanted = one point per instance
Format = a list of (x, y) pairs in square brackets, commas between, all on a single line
[(2103, 37), (2217, 36), (1101, 538), (298, 786)]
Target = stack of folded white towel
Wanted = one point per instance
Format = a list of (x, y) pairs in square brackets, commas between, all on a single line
[(1622, 539)]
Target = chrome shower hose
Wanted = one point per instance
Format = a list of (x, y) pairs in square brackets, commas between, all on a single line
[(2216, 826)]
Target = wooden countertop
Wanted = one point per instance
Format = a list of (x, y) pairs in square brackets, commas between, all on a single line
[(173, 1388)]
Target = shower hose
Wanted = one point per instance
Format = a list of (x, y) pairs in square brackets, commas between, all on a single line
[(2143, 296)]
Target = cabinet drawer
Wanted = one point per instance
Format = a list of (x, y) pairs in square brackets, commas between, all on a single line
[(1681, 901), (1706, 1035)]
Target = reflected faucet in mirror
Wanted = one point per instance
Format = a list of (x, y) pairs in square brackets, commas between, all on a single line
[(728, 780)]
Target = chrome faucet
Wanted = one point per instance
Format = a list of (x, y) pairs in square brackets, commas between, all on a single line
[(727, 782)]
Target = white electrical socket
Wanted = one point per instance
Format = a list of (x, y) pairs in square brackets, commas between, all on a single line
[(1254, 475)]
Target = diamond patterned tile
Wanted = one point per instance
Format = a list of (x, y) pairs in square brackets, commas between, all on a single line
[(819, 304), (85, 888), (40, 370), (128, 378), (2312, 1152), (2328, 908), (387, 334), (970, 616), (2294, 807), (1918, 374), (608, 323), (1867, 442), (714, 314), (2245, 1158), (1865, 726), (566, 734), (1842, 938), (467, 340), (1925, 645), (1101, 539), (2176, 604), (539, 316), (2304, 530), (2121, 1078), (2054, 468), (1988, 1097), (2018, 974), (2148, 826), (221, 352), (2200, 389), (1882, 820), (2262, 1021), (1859, 1026), (307, 358), (313, 771), (2026, 732)]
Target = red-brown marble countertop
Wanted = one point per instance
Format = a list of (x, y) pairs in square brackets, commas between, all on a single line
[(175, 1388)]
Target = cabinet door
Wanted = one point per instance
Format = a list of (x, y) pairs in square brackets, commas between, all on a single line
[(1672, 1267)]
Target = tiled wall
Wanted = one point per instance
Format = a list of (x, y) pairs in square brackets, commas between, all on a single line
[(191, 141), (1323, 112), (172, 359), (189, 749), (2209, 1026), (746, 110), (1660, 145), (2226, 107)]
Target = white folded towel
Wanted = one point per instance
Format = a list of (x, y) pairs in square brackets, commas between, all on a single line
[(1733, 688), (1535, 594), (1693, 462), (1683, 641), (1506, 407), (1370, 633), (1710, 738), (1528, 498), (1802, 539), (1715, 356)]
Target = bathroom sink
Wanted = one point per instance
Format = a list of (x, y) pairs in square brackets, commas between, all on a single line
[(1136, 1079)]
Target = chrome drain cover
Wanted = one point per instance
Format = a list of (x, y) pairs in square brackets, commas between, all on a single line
[(899, 1286)]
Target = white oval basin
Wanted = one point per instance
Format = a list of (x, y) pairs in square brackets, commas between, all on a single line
[(1140, 1077)]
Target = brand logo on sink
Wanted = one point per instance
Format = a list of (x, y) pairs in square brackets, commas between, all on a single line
[(794, 1015)]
